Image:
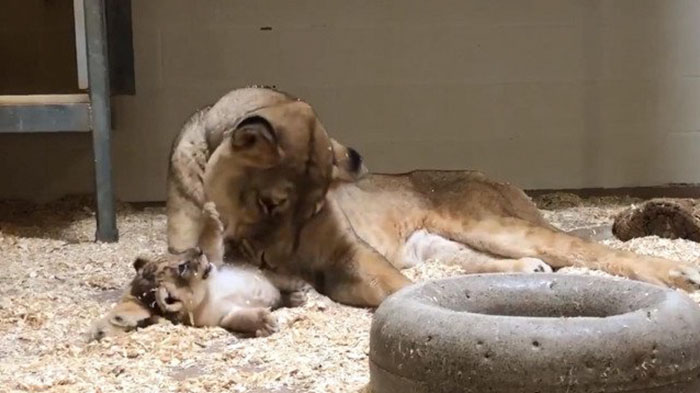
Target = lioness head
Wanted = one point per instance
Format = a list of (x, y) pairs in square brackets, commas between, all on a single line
[(285, 163), (167, 285)]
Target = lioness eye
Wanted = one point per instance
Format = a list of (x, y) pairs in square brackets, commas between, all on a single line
[(318, 207), (269, 207), (266, 205)]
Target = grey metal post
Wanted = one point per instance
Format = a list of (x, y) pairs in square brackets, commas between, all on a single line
[(98, 78)]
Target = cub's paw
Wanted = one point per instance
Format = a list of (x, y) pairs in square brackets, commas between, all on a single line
[(293, 299), (532, 265), (267, 323)]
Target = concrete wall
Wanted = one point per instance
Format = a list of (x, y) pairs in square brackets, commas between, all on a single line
[(546, 93)]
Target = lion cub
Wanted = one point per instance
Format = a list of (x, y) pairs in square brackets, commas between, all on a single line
[(187, 288)]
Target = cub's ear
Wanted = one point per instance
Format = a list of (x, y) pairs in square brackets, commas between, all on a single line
[(139, 263), (348, 165), (254, 142)]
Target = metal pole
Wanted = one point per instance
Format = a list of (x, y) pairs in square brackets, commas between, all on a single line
[(80, 51), (98, 78)]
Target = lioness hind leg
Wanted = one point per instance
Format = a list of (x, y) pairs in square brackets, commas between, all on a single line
[(515, 238), (423, 246)]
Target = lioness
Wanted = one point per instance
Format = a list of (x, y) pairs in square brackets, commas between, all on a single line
[(352, 246)]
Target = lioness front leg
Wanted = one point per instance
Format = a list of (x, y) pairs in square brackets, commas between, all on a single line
[(291, 288), (344, 267), (258, 321), (292, 299), (516, 238), (184, 224), (211, 239), (364, 279)]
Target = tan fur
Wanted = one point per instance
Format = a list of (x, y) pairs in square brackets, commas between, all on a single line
[(491, 226), (353, 248)]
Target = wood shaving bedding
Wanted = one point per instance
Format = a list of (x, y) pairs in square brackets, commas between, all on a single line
[(56, 281)]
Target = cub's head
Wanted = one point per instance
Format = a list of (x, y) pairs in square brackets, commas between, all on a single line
[(171, 283), (165, 286), (287, 163)]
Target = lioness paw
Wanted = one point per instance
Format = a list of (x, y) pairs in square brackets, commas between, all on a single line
[(533, 265), (686, 277), (212, 215), (666, 273), (294, 299)]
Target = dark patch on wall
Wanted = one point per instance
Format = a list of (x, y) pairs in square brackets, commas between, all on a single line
[(120, 47)]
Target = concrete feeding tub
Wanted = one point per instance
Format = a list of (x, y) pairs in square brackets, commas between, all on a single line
[(544, 333)]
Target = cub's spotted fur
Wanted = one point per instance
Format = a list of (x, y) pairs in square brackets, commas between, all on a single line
[(188, 289)]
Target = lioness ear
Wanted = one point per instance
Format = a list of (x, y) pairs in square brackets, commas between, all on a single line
[(254, 141), (139, 263), (347, 163)]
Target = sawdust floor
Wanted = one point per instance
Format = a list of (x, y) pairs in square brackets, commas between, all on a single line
[(55, 281)]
